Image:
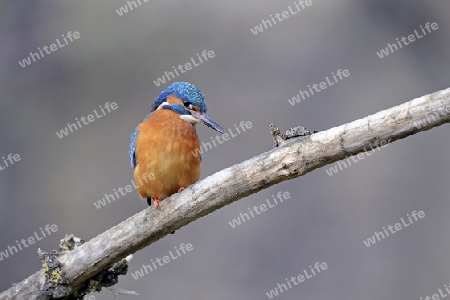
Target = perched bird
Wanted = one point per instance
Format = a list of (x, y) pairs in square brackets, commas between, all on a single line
[(163, 147)]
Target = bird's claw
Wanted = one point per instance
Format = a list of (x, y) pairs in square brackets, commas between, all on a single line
[(156, 203)]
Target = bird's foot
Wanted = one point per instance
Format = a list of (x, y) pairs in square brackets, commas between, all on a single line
[(181, 188), (156, 203)]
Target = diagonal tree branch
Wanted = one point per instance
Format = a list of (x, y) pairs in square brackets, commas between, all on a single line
[(293, 158)]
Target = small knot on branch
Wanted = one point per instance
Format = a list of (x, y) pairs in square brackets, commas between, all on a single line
[(280, 138)]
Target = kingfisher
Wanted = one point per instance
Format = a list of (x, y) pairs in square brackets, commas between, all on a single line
[(164, 147)]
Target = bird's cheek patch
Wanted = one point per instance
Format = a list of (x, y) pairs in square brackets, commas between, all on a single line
[(190, 119)]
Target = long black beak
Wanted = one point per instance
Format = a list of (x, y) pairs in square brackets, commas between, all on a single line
[(205, 119)]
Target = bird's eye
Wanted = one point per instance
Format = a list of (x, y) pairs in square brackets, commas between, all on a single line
[(189, 106)]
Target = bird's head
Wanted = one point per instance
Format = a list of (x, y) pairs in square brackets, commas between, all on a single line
[(188, 101)]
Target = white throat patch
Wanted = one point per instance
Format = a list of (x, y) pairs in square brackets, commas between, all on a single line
[(190, 119)]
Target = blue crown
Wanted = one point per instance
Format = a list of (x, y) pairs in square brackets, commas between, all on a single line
[(187, 92)]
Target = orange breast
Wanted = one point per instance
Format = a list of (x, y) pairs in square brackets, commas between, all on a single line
[(164, 152)]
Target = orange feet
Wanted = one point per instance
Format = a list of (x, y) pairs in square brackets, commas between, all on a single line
[(156, 203), (181, 188)]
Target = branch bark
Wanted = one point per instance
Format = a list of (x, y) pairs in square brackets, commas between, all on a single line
[(294, 158)]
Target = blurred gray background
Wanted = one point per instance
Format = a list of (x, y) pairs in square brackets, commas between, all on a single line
[(251, 78)]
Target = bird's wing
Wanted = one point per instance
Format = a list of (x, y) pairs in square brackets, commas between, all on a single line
[(132, 151)]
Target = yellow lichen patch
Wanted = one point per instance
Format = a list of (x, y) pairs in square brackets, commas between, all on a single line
[(55, 276), (45, 267)]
